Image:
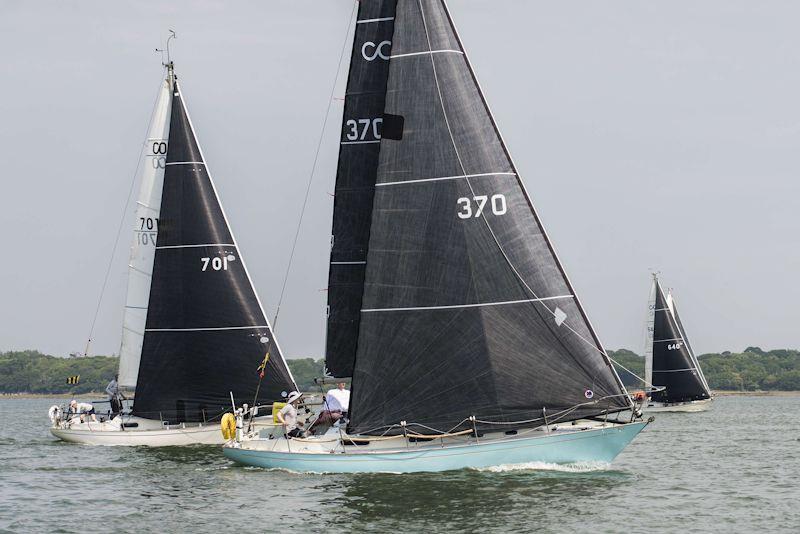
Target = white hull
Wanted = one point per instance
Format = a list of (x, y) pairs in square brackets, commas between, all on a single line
[(149, 433), (691, 406)]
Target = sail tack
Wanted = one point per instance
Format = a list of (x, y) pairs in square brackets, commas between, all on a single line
[(465, 309), (145, 232), (674, 366), (206, 332)]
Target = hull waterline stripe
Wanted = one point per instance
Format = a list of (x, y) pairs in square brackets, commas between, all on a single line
[(478, 305), (447, 178), (204, 329), (675, 370), (365, 21), (200, 245), (427, 52), (186, 163)]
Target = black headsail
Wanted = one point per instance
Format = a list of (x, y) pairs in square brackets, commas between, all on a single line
[(355, 179), (206, 332), (466, 310), (674, 365)]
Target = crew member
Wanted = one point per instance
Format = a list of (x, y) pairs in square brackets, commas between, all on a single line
[(338, 399), (115, 396), (336, 403), (287, 416), (81, 409)]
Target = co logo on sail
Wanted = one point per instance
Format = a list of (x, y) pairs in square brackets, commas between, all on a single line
[(376, 49)]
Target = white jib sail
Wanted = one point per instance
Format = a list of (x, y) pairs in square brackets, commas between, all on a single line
[(145, 231)]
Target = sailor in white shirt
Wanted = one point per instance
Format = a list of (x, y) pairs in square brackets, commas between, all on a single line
[(82, 409), (287, 416), (338, 399)]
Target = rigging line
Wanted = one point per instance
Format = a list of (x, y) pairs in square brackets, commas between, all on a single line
[(122, 220), (314, 165), (483, 216)]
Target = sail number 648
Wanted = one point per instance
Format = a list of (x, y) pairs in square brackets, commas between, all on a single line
[(474, 207)]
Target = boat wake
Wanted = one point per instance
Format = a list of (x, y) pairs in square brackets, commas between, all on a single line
[(578, 467)]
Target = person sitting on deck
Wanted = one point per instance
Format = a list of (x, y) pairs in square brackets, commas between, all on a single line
[(336, 403), (338, 399), (287, 416), (82, 409), (115, 396)]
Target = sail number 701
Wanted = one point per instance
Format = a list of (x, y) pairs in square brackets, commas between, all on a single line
[(217, 263), (475, 206)]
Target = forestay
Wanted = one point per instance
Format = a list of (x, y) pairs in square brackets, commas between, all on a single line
[(145, 232), (465, 309), (206, 331), (674, 366)]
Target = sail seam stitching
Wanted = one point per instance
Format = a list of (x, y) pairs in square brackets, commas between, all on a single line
[(427, 52), (204, 329), (448, 178), (186, 163), (476, 305), (365, 21), (200, 245)]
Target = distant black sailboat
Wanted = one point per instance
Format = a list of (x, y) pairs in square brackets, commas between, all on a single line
[(194, 330), (671, 366), (447, 303)]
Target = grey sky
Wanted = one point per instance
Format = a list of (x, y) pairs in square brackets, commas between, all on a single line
[(650, 135)]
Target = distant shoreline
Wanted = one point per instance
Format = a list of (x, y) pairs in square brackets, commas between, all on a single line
[(768, 393), (102, 395)]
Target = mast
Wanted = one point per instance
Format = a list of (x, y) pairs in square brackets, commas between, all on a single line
[(145, 233), (206, 331), (466, 310)]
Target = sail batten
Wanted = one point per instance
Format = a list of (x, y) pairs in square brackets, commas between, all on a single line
[(206, 331), (463, 302)]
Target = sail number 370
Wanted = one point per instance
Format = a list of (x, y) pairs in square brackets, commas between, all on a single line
[(475, 206)]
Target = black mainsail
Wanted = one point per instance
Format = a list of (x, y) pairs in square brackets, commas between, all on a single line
[(206, 332), (465, 309), (673, 366)]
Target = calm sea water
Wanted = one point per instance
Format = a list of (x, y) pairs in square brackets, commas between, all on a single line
[(733, 469)]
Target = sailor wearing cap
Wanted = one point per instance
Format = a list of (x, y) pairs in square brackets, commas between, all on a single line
[(287, 416)]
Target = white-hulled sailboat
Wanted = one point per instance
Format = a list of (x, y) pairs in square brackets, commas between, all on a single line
[(466, 343), (671, 366), (194, 330)]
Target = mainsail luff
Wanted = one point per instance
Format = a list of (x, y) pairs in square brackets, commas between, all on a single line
[(355, 180), (465, 310), (206, 330), (674, 368), (145, 231)]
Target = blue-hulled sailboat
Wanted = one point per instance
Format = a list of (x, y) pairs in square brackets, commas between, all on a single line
[(448, 307)]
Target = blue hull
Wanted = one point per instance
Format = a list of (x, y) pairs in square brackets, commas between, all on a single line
[(600, 445)]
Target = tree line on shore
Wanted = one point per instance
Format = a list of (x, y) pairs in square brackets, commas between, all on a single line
[(751, 370)]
